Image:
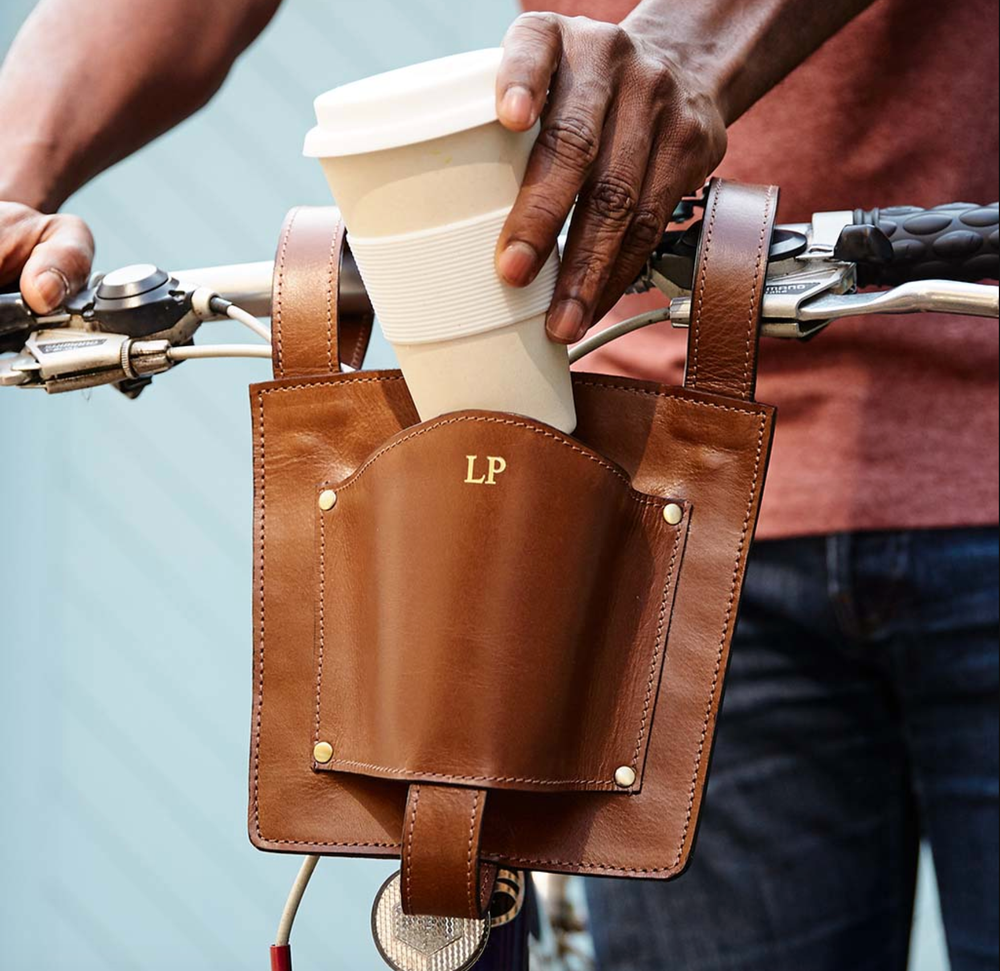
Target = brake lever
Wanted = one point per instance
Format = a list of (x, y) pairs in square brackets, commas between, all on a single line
[(88, 341), (802, 314), (790, 287), (70, 359)]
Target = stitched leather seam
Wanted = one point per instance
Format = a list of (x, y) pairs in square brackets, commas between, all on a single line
[(357, 358), (722, 642), (260, 662), (659, 394), (347, 379), (634, 494), (330, 323), (469, 881), (322, 618), (319, 382), (280, 286), (602, 783), (702, 275), (660, 643), (267, 839), (617, 868), (754, 289), (409, 844)]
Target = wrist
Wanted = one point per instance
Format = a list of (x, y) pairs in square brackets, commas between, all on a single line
[(29, 173), (692, 43)]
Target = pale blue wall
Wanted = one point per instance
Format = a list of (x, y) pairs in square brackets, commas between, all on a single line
[(125, 562)]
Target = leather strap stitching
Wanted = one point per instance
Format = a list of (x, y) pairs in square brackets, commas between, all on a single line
[(279, 285), (721, 280), (702, 275), (756, 289), (472, 890), (322, 623), (409, 844), (332, 354)]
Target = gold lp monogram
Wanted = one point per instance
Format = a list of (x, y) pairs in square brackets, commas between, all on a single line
[(495, 464)]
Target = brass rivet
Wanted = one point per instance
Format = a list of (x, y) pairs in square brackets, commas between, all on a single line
[(625, 777), (327, 499), (673, 513), (323, 752)]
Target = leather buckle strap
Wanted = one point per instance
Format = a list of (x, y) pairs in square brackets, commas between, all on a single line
[(309, 334), (728, 286), (441, 873)]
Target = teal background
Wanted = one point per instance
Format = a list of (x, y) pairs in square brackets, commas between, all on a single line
[(126, 555)]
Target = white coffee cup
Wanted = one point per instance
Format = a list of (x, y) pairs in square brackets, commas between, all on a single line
[(425, 176)]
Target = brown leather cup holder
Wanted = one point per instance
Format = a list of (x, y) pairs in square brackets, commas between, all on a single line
[(450, 655), (493, 609)]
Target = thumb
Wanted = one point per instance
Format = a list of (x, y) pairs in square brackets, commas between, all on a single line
[(59, 264)]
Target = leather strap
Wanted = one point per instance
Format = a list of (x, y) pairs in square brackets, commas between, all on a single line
[(441, 874), (728, 285), (309, 334)]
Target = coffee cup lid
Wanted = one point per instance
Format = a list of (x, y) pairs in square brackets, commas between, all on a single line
[(405, 106)]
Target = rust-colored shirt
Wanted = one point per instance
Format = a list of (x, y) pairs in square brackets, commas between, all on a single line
[(889, 422)]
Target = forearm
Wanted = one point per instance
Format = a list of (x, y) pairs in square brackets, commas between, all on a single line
[(742, 48), (87, 82)]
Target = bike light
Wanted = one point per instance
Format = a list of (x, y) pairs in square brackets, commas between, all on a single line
[(412, 943)]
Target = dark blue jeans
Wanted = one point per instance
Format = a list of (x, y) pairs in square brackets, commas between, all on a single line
[(860, 715)]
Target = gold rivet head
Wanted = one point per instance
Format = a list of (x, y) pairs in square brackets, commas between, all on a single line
[(323, 752), (625, 777), (673, 513), (327, 500)]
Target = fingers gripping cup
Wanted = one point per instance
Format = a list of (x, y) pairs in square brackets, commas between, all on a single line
[(425, 176)]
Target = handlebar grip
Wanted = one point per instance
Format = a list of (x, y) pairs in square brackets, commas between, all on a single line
[(16, 322), (956, 241)]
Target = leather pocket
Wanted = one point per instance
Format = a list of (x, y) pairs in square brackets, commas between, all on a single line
[(494, 609)]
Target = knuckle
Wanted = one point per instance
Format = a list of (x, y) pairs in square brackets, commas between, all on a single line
[(12, 213), (645, 231), (570, 140), (663, 82), (536, 219), (77, 257), (79, 230), (612, 198), (583, 276), (690, 134), (538, 215), (66, 243), (540, 25), (718, 145), (699, 134), (613, 35), (75, 263)]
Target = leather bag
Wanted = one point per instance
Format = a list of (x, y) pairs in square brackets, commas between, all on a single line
[(479, 641)]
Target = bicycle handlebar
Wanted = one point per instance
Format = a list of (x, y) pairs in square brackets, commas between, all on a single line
[(139, 321), (957, 241)]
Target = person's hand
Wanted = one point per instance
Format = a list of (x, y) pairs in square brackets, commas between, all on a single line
[(51, 254), (624, 126)]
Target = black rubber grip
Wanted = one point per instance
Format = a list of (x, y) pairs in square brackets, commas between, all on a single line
[(957, 241), (16, 322)]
